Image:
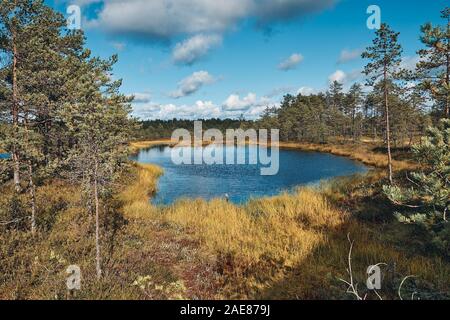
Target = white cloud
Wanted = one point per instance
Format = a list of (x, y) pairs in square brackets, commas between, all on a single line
[(192, 84), (200, 109), (142, 97), (249, 106), (306, 91), (194, 48), (166, 19), (342, 77), (349, 55), (291, 62), (338, 75), (234, 102)]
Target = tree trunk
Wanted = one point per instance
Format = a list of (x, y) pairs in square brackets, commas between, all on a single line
[(16, 166), (447, 80), (15, 118), (97, 223), (388, 129), (354, 125), (33, 198)]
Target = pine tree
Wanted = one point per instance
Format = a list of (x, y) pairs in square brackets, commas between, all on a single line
[(335, 97), (352, 106), (371, 115), (434, 66), (428, 199), (33, 81), (384, 67), (97, 120), (14, 15)]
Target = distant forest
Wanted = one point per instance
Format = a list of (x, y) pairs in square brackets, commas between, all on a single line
[(161, 129), (325, 117)]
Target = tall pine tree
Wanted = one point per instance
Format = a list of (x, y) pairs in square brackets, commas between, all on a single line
[(39, 54), (97, 121), (384, 68)]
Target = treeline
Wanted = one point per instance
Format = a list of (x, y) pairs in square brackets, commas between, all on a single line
[(395, 104), (160, 129), (338, 115), (61, 114)]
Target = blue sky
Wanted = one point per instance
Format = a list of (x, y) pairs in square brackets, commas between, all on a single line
[(210, 58)]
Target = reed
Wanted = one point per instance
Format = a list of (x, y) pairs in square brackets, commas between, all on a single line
[(141, 184)]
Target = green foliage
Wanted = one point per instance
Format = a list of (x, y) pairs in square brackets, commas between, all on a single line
[(428, 197), (433, 68), (384, 56), (98, 125), (60, 111)]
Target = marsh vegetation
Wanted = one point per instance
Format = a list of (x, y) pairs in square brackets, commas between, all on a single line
[(69, 195)]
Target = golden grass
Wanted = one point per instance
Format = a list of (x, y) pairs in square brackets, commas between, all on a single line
[(285, 228), (289, 246), (141, 186), (135, 146), (269, 241)]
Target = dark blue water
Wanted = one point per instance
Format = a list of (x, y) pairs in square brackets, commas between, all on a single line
[(242, 182)]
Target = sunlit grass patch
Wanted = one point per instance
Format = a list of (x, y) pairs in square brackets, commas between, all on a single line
[(141, 185), (294, 245), (135, 146)]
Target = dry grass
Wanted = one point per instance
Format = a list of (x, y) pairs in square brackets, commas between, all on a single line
[(290, 246), (285, 228), (137, 145), (139, 188), (166, 255), (141, 258)]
